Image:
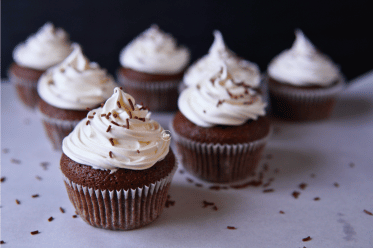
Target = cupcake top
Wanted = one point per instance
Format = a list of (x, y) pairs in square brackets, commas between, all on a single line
[(207, 66), (44, 49), (76, 83), (118, 135), (155, 52), (220, 100), (303, 65)]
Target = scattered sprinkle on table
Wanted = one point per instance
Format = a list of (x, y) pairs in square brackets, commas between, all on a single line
[(231, 227), (35, 232), (316, 199), (2, 242), (336, 185), (18, 202), (2, 179), (38, 178), (50, 219), (303, 186), (295, 194), (367, 212), (306, 239), (44, 165), (5, 150), (62, 210), (281, 212), (35, 196), (75, 216), (15, 161)]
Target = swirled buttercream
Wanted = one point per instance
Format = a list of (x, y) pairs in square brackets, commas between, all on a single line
[(221, 101), (76, 83), (155, 52), (44, 49), (303, 65), (207, 66), (118, 135)]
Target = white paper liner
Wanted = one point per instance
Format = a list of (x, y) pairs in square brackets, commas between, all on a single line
[(119, 209), (56, 129), (26, 90), (220, 163)]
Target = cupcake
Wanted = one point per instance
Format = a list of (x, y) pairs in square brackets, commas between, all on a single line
[(303, 83), (48, 47), (152, 66), (204, 68), (117, 165), (221, 130), (68, 90)]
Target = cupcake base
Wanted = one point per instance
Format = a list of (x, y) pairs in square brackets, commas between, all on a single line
[(303, 103), (224, 158), (119, 207), (25, 81), (159, 92)]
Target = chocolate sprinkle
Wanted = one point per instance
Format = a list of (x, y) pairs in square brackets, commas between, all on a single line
[(316, 199), (111, 154), (2, 242), (268, 190), (115, 123), (75, 216), (34, 196), (336, 185), (62, 210), (231, 227), (142, 119), (90, 117), (5, 150), (281, 212), (306, 239), (88, 109), (44, 165), (367, 212), (108, 115), (15, 161), (102, 115), (215, 208), (132, 107), (38, 178), (302, 185), (219, 102), (128, 123), (115, 115), (111, 141), (130, 114), (2, 179), (206, 204), (88, 122), (108, 128), (35, 232), (18, 202), (295, 194), (50, 219), (102, 105), (138, 151), (118, 103)]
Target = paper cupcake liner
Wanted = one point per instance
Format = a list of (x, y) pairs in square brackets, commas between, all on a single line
[(119, 209), (26, 90), (304, 104), (57, 129), (220, 163), (159, 95)]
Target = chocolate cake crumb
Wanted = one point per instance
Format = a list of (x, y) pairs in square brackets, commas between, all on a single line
[(306, 239), (206, 204), (268, 190), (118, 103), (189, 180), (111, 141), (115, 115), (231, 227), (18, 202), (88, 122), (38, 178), (336, 185), (303, 186), (115, 123), (3, 179), (281, 212), (295, 194), (44, 165), (367, 212), (351, 164), (131, 104), (108, 128), (15, 161), (5, 150), (62, 210), (75, 216), (316, 199), (35, 196), (199, 185), (35, 232)]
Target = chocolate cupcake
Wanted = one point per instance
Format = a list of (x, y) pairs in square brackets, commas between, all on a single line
[(303, 83), (117, 165), (42, 50), (68, 90), (221, 129), (152, 66)]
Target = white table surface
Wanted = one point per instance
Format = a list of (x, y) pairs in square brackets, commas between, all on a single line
[(320, 154)]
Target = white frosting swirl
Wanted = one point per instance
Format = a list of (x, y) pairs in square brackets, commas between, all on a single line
[(48, 47), (221, 101), (155, 52), (138, 147), (76, 83), (240, 69), (303, 65)]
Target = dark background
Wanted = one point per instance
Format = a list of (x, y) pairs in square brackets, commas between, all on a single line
[(256, 30)]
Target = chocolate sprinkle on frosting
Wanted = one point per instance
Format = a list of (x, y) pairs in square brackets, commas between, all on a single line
[(115, 115), (138, 151), (88, 109), (111, 154), (38, 178), (142, 119), (118, 103), (115, 123), (75, 216), (102, 115), (108, 128), (132, 107), (111, 141), (108, 115), (88, 122), (2, 242), (90, 117), (130, 114), (219, 102), (128, 123)]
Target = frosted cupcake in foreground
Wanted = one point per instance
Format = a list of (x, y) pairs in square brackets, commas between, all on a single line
[(68, 90), (152, 66), (120, 163), (221, 129), (42, 50), (205, 68), (303, 83)]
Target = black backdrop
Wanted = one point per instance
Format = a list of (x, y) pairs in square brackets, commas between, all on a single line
[(255, 29)]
